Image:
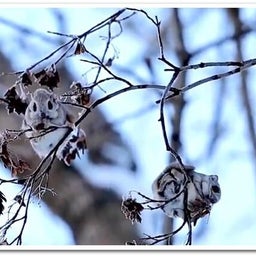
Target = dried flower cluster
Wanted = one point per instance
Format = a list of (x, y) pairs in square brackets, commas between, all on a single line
[(79, 94), (132, 209), (71, 147), (9, 160)]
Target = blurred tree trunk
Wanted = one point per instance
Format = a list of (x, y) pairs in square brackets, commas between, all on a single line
[(234, 16)]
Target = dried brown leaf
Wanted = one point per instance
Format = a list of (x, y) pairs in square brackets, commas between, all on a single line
[(25, 79), (2, 200), (48, 77), (14, 102)]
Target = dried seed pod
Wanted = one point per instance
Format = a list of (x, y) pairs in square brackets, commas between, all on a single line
[(132, 209)]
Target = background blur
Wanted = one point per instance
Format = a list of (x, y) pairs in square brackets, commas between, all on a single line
[(212, 126)]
